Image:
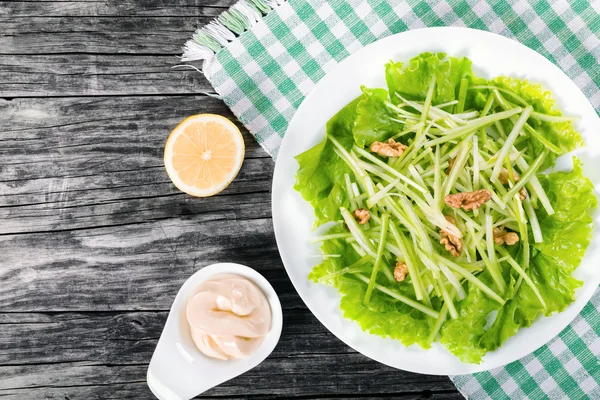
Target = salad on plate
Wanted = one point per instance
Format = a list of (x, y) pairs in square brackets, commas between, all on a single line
[(440, 221)]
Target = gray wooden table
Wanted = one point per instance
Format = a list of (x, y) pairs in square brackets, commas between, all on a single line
[(95, 240)]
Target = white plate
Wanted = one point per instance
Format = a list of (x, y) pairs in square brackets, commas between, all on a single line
[(492, 55)]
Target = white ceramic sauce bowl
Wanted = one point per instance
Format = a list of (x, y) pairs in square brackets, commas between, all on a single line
[(178, 370)]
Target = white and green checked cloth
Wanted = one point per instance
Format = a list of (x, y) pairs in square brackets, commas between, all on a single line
[(264, 74)]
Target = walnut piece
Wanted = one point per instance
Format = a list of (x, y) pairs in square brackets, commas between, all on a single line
[(503, 178), (400, 271), (452, 243), (450, 165), (501, 236), (389, 149), (362, 215), (468, 200)]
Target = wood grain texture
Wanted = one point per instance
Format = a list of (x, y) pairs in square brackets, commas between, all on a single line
[(96, 241), (97, 74), (132, 35), (115, 360), (113, 8)]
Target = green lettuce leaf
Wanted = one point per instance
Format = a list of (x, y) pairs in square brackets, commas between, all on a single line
[(384, 316), (568, 232), (320, 168), (462, 336), (373, 121), (412, 80)]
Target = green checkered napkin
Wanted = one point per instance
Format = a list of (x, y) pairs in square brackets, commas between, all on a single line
[(264, 56)]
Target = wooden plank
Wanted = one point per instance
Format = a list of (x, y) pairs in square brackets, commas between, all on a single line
[(94, 75), (61, 131), (136, 391), (136, 266), (127, 35), (340, 376), (113, 8), (54, 354), (128, 338)]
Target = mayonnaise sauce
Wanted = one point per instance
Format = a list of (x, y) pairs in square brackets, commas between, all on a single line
[(228, 317)]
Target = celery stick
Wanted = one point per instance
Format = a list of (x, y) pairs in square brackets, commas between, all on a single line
[(359, 174), (447, 299), (446, 104), (493, 268), (323, 238), (496, 88), (412, 128), (437, 185), (438, 324), (437, 114), (495, 197), (375, 170), (533, 221), (503, 221), (552, 118), (401, 111), (489, 237), (459, 164), (378, 258), (347, 269), (349, 191), (500, 129), (523, 274), (536, 187), (488, 105), (471, 278), (387, 168), (460, 292), (409, 154), (472, 126), (416, 305), (549, 145), (346, 157), (521, 220), (394, 250), (398, 213), (342, 271), (373, 200), (417, 224), (357, 232), (475, 163), (468, 115), (429, 263), (428, 98), (462, 95), (415, 175), (416, 160), (509, 142), (526, 176), (355, 189), (357, 248), (411, 264)]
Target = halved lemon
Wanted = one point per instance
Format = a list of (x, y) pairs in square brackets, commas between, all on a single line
[(204, 154)]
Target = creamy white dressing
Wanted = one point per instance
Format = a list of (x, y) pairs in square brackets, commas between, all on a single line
[(228, 317)]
